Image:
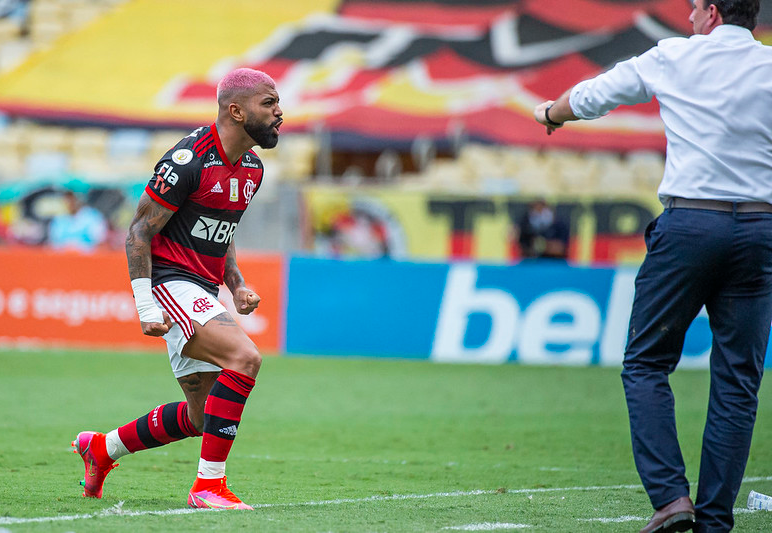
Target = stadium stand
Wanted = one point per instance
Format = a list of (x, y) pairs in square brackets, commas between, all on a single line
[(27, 26), (98, 154)]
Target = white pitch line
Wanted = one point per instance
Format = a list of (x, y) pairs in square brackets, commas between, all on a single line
[(617, 520), (488, 526), (117, 510)]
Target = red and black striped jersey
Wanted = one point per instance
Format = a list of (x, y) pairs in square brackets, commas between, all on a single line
[(208, 195)]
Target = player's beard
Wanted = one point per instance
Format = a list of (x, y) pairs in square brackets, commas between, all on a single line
[(263, 134)]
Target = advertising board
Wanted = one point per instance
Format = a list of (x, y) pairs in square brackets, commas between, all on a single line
[(532, 312)]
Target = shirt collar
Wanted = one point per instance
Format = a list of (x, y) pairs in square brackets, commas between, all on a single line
[(730, 31)]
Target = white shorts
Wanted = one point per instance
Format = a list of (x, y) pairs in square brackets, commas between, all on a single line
[(185, 302)]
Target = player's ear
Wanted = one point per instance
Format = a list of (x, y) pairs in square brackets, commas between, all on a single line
[(236, 112)]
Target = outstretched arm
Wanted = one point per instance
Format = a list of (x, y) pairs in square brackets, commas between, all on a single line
[(629, 82), (244, 299), (559, 112), (149, 219)]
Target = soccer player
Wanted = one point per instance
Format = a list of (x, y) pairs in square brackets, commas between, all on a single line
[(180, 249)]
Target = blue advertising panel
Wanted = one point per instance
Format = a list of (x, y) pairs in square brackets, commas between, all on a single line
[(370, 308), (533, 313)]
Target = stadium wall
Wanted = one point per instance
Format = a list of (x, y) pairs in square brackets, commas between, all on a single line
[(460, 312)]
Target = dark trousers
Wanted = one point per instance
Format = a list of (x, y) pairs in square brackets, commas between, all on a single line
[(721, 260)]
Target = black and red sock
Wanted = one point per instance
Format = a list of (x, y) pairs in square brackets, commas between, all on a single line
[(222, 414), (164, 424)]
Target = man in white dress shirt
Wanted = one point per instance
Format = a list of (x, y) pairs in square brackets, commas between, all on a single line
[(711, 246)]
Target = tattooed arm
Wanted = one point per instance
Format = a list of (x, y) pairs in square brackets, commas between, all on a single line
[(244, 299), (149, 219)]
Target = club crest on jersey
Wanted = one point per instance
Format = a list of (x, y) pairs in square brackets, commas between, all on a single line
[(182, 156), (249, 190), (234, 190)]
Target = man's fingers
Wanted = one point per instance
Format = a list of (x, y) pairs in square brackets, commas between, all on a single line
[(157, 329)]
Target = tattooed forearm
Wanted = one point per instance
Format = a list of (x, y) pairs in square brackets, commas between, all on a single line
[(232, 276), (149, 219)]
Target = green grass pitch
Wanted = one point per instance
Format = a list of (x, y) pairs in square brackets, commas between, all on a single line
[(342, 445)]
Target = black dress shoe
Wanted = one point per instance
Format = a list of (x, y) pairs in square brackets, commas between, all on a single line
[(678, 515)]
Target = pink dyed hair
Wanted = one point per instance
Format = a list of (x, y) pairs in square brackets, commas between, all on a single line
[(242, 80)]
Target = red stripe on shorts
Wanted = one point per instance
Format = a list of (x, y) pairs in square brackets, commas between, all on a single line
[(174, 309)]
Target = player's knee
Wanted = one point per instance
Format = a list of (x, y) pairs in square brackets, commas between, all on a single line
[(249, 360)]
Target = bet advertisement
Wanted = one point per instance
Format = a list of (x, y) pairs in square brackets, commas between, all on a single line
[(462, 312)]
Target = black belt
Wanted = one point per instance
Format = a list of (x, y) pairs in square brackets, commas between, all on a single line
[(721, 205)]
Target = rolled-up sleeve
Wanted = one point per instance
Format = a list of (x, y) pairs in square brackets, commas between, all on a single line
[(628, 83)]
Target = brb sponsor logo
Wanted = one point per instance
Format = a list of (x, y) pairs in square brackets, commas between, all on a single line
[(211, 229)]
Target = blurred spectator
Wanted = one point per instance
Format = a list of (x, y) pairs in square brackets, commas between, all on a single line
[(359, 234), (81, 227), (542, 233)]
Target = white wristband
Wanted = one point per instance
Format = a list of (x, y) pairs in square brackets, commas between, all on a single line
[(143, 298)]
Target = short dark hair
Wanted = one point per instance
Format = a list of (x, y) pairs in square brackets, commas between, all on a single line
[(737, 12)]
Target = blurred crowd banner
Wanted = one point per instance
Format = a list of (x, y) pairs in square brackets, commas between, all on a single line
[(374, 73), (69, 299), (359, 222), (377, 222)]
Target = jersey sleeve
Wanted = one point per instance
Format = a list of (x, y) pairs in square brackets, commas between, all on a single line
[(176, 176)]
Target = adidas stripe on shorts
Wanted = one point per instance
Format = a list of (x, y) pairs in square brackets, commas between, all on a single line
[(185, 302)]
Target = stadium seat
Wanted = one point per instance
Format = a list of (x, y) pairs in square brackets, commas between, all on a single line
[(297, 154), (47, 165), (161, 142), (447, 175), (47, 21), (10, 30), (81, 13), (647, 168), (50, 138), (12, 168), (614, 176), (127, 142), (126, 151), (90, 141)]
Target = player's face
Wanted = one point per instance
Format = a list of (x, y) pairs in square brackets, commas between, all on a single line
[(263, 117)]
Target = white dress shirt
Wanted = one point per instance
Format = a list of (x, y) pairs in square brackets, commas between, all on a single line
[(715, 98)]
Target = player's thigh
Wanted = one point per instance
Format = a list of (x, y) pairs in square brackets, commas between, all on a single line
[(222, 342), (196, 387)]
